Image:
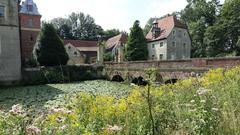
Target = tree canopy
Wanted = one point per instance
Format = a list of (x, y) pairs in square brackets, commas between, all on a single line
[(49, 49), (137, 45)]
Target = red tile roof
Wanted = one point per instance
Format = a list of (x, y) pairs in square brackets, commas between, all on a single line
[(81, 43), (166, 25), (112, 42)]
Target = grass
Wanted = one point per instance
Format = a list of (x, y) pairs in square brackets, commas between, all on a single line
[(54, 95)]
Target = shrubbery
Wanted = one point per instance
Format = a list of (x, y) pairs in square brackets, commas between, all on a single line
[(62, 74), (206, 106)]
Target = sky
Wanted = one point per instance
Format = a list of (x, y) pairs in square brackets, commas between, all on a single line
[(118, 14)]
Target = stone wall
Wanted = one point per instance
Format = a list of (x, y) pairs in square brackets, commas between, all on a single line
[(10, 59), (169, 69)]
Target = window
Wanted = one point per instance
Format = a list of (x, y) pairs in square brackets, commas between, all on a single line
[(161, 44), (31, 37), (161, 56), (174, 44), (174, 32), (30, 22), (153, 46), (153, 56), (184, 45), (75, 53), (69, 47), (2, 11), (180, 33), (30, 8)]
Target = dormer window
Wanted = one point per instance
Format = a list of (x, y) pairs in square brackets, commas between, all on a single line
[(2, 11), (30, 8)]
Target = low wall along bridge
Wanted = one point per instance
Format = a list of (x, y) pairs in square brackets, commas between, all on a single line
[(168, 71)]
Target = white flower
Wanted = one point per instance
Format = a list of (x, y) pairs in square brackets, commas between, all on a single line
[(33, 130), (192, 101), (203, 101), (61, 110), (16, 109), (202, 91), (215, 109), (63, 127), (114, 128)]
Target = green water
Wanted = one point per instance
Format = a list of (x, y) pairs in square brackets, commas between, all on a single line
[(53, 95)]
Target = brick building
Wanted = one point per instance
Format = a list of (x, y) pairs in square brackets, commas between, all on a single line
[(30, 22)]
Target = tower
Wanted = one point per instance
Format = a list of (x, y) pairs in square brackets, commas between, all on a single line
[(10, 58), (30, 25)]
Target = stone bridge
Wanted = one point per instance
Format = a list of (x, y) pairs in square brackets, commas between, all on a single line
[(168, 70)]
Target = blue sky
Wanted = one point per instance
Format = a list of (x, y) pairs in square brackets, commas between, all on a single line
[(110, 14)]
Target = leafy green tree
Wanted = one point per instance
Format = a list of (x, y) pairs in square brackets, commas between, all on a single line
[(199, 15), (222, 38), (111, 33), (77, 26), (49, 49), (137, 45)]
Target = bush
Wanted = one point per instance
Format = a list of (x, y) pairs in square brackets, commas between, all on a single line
[(62, 74)]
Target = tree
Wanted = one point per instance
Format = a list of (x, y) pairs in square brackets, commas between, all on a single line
[(199, 15), (223, 36), (49, 49), (111, 33), (137, 45), (77, 26)]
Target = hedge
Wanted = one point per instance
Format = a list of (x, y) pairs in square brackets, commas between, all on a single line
[(61, 74)]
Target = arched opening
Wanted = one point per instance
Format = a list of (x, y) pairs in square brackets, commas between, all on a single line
[(139, 81), (117, 78), (171, 81)]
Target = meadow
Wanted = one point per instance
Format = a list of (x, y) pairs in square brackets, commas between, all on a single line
[(208, 105)]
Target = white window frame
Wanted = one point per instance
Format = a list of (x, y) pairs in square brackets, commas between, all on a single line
[(160, 56)]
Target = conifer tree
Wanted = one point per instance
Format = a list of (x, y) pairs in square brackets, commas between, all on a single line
[(137, 45), (49, 49)]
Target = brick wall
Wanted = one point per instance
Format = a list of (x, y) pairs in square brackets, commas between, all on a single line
[(29, 34), (191, 63)]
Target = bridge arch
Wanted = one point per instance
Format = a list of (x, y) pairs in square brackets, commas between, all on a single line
[(117, 78), (171, 81), (139, 81)]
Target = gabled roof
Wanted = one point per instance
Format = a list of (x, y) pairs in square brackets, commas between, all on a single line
[(166, 25), (25, 10), (112, 42), (81, 43)]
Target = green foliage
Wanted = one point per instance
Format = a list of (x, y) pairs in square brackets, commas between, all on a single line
[(199, 15), (223, 36), (108, 56), (137, 45), (77, 26), (62, 74), (111, 33), (49, 50)]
